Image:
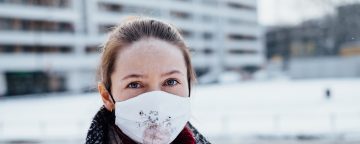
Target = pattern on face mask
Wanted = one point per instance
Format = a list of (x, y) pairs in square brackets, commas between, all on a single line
[(156, 131)]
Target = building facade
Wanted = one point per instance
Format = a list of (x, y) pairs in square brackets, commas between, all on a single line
[(319, 48), (53, 45)]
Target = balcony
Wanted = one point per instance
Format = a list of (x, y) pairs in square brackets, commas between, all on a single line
[(245, 44), (39, 13), (41, 38), (33, 62), (245, 29), (201, 60), (238, 60)]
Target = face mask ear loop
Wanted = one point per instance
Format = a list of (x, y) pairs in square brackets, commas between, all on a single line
[(113, 110), (112, 98), (189, 86)]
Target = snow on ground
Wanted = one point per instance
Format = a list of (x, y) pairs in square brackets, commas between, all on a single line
[(227, 111), (52, 117)]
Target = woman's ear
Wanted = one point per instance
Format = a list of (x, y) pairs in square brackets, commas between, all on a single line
[(105, 96)]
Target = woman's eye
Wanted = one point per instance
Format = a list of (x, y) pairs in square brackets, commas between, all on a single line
[(134, 85), (171, 82)]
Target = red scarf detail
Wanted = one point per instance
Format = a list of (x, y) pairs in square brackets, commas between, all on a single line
[(185, 137)]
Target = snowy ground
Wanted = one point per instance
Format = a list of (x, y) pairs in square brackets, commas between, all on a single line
[(249, 112)]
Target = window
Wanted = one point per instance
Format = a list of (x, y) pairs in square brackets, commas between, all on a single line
[(110, 7), (186, 33), (35, 25), (240, 6), (208, 51), (180, 15), (207, 35), (19, 83), (105, 28), (241, 37), (242, 51), (42, 3), (34, 49), (5, 23), (92, 49)]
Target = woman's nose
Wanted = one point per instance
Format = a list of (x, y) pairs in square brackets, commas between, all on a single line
[(154, 87)]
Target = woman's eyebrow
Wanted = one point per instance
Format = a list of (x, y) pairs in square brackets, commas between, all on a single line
[(172, 72), (133, 76)]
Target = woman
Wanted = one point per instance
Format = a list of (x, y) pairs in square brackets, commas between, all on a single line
[(145, 81)]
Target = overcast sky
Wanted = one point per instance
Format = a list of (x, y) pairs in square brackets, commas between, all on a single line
[(287, 12), (292, 12)]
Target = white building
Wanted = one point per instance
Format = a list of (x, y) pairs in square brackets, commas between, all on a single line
[(52, 45)]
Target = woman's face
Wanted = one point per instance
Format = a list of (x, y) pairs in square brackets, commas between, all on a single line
[(149, 64)]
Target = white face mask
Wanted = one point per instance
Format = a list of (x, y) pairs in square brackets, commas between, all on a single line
[(155, 117)]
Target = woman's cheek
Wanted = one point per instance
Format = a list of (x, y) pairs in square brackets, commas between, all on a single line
[(176, 90), (130, 93)]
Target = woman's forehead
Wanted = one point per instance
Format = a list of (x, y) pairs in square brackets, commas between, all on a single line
[(149, 55), (152, 46)]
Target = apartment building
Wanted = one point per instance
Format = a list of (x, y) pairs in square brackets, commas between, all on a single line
[(53, 45)]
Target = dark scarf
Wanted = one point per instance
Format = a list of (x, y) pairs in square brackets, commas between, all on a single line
[(104, 131)]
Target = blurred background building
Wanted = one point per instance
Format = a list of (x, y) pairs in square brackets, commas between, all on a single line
[(325, 47), (53, 45)]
